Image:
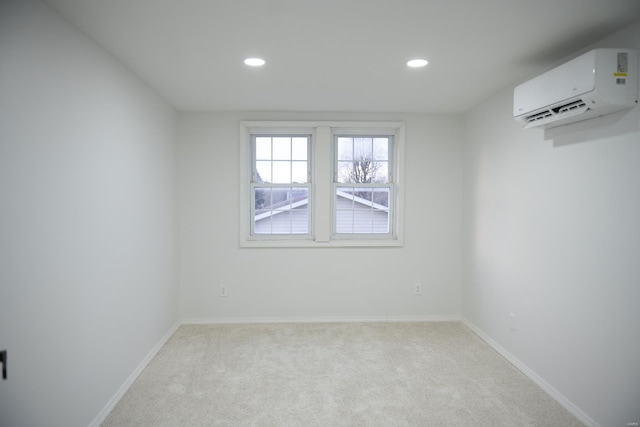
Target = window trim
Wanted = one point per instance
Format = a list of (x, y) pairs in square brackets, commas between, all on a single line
[(322, 183)]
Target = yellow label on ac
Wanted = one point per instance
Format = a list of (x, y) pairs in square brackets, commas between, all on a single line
[(619, 74)]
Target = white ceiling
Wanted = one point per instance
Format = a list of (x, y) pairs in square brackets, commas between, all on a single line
[(341, 55)]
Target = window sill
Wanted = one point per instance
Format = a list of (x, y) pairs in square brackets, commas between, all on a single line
[(341, 243)]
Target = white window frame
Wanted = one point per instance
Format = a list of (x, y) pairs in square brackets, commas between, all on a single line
[(322, 191)]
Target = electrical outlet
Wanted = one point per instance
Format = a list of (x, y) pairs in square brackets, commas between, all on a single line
[(223, 291), (3, 362), (512, 321), (417, 289)]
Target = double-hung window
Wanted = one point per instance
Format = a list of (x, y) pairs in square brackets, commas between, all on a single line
[(363, 186), (321, 184), (280, 185)]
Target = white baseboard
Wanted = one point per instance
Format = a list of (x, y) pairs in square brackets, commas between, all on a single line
[(348, 319), (99, 419), (555, 394)]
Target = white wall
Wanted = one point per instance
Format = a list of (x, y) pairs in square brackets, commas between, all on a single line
[(87, 224), (553, 236), (326, 283)]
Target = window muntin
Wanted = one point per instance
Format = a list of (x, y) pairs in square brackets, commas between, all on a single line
[(363, 186), (280, 185)]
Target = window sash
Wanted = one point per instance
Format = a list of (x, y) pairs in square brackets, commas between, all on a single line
[(284, 212), (292, 159), (366, 216)]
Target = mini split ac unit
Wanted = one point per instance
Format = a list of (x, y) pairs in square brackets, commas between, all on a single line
[(596, 83)]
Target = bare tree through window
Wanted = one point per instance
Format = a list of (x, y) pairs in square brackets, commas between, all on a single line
[(364, 160)]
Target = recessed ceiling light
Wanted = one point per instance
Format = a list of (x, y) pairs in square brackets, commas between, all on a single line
[(254, 62), (416, 63)]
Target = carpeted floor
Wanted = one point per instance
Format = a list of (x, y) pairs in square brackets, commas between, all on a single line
[(333, 374)]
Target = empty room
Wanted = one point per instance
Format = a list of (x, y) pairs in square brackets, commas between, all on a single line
[(319, 213)]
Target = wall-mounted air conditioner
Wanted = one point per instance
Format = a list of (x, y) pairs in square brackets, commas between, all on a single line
[(599, 82)]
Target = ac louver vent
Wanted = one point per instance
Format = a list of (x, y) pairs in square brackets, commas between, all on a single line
[(539, 116), (569, 109), (570, 106)]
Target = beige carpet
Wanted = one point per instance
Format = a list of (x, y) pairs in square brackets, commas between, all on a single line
[(334, 374)]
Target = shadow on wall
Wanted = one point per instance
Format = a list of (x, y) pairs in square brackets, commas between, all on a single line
[(608, 126)]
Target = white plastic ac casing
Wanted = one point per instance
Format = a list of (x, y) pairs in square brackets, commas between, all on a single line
[(599, 82)]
